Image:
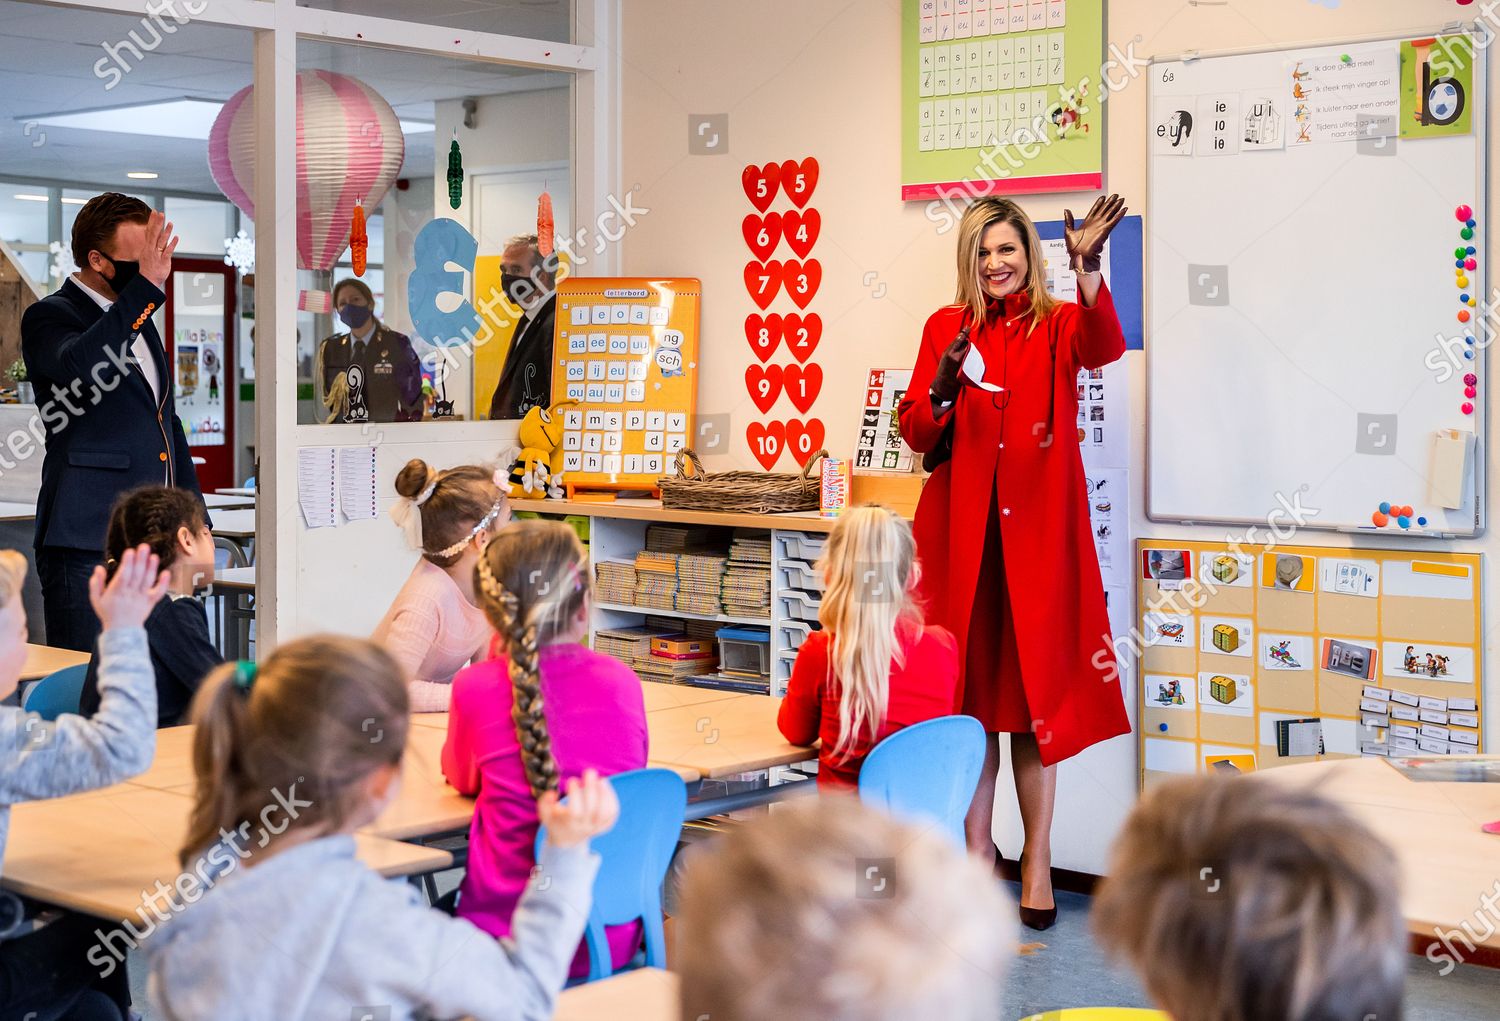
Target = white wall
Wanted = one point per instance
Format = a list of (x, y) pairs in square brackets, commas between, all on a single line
[(820, 78)]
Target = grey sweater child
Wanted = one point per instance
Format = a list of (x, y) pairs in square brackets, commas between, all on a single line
[(311, 934), (47, 760)]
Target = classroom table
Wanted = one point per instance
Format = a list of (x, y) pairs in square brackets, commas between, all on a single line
[(425, 807), (225, 501), (236, 491), (235, 586), (171, 767), (15, 511), (100, 851), (42, 660), (723, 737), (646, 994), (1447, 863), (235, 524), (663, 695)]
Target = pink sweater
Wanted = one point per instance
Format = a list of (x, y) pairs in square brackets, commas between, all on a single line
[(596, 717), (433, 631)]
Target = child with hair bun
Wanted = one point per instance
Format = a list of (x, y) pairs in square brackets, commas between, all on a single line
[(541, 711), (436, 627), (291, 758)]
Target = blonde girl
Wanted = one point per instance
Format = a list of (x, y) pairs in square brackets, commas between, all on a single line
[(290, 759), (435, 627), (874, 668), (543, 709)]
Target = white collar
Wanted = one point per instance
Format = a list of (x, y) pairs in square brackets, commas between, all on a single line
[(99, 299)]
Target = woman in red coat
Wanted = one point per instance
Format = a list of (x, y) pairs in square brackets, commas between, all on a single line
[(1002, 528)]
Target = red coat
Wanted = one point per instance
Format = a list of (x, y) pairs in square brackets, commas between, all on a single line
[(1029, 453)]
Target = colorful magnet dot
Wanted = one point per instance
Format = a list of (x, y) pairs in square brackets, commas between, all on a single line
[(1463, 213), (1466, 233), (1470, 264), (1470, 391), (1472, 303), (1467, 408), (1162, 727), (1472, 223), (1464, 298), (1462, 281), (1459, 252), (1471, 250), (1404, 521), (1468, 339), (1463, 315), (1380, 519), (1459, 264), (1468, 354), (1422, 522), (1385, 508), (1470, 379)]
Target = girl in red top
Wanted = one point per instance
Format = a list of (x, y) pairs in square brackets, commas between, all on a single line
[(1003, 525), (874, 668)]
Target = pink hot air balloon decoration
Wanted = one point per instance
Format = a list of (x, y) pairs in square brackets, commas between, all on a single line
[(349, 148)]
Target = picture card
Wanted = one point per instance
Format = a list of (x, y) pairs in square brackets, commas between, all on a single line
[(1370, 691), (1171, 629), (1289, 572), (1429, 662), (1227, 636), (1164, 691), (1467, 705), (1163, 755), (1404, 712), (1169, 567), (1351, 577), (1286, 652), (1405, 698), (1228, 761), (1427, 579), (1463, 719), (1229, 694), (1263, 120), (1172, 125), (1342, 656), (1232, 569)]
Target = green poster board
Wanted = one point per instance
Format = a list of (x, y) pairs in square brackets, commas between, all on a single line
[(1001, 97)]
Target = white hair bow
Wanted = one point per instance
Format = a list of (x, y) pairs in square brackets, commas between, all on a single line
[(407, 514)]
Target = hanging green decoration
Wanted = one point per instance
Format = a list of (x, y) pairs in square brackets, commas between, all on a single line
[(455, 174)]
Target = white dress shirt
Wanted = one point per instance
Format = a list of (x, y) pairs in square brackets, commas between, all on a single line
[(140, 350)]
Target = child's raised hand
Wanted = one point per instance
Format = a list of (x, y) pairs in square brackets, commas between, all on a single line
[(128, 598), (592, 809)]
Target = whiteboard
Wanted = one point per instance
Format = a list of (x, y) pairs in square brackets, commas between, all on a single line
[(1296, 294)]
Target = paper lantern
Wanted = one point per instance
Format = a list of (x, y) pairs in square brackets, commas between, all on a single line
[(349, 147)]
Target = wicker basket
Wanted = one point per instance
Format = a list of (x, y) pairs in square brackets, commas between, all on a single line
[(740, 492)]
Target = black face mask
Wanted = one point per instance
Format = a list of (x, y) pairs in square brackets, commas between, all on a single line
[(518, 288), (125, 271)]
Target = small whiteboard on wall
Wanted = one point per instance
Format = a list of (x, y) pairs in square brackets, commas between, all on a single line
[(1315, 315)]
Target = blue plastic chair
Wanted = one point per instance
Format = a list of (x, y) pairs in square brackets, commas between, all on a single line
[(636, 854), (248, 483), (927, 772), (57, 693)]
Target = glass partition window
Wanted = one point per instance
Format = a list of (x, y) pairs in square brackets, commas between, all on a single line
[(551, 20)]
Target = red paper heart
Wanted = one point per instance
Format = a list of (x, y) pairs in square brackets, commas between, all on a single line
[(801, 280), (757, 227), (804, 439), (802, 385), (802, 334), (763, 333), (798, 180), (760, 184), (764, 384), (766, 442), (801, 230), (762, 280)]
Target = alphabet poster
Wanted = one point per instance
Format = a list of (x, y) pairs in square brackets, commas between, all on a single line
[(1003, 97)]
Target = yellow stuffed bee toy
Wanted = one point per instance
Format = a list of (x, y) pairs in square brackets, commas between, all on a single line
[(536, 471)]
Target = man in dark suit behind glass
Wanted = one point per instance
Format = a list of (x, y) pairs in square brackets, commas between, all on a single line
[(104, 390), (529, 281)]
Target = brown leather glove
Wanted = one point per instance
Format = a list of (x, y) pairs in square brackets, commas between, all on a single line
[(1085, 241), (945, 381)]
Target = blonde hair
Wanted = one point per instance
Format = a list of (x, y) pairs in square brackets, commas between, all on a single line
[(1237, 899), (12, 576), (980, 215), (532, 582), (834, 911), (868, 563), (319, 715), (461, 498)]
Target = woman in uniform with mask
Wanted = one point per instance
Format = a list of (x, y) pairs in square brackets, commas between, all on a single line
[(371, 373)]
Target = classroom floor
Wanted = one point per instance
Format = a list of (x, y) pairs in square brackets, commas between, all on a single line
[(1064, 967)]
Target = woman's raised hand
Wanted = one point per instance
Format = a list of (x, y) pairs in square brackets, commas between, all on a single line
[(1085, 241)]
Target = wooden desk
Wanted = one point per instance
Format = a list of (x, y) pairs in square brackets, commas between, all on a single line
[(42, 660), (236, 491), (235, 579), (661, 695), (646, 994), (171, 768), (425, 805), (1447, 863), (97, 852), (11, 511), (235, 524), (720, 738)]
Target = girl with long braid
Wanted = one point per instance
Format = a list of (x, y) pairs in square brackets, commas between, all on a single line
[(536, 714)]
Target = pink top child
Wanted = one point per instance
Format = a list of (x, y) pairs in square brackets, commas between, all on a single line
[(596, 716), (433, 631)]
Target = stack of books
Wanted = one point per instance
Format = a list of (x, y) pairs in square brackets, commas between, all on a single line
[(700, 579), (632, 645), (747, 578), (616, 581), (656, 580), (676, 657)]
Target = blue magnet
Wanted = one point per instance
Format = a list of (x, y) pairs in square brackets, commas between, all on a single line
[(1471, 250), (1404, 521), (1422, 522), (1468, 354), (1385, 508), (1464, 298), (1471, 223), (1162, 727)]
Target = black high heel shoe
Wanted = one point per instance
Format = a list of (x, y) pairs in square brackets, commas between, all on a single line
[(1039, 919)]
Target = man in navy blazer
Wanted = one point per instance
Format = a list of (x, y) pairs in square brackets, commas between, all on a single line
[(104, 390)]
